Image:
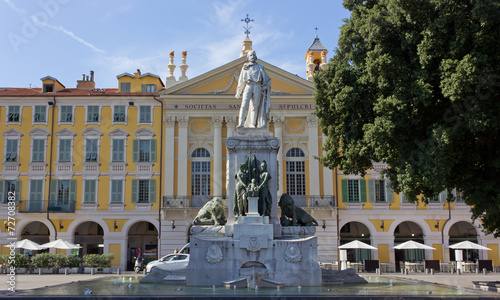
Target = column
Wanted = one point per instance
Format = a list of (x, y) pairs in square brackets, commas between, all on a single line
[(182, 122), (278, 132), (312, 124), (217, 180), (230, 124), (169, 155)]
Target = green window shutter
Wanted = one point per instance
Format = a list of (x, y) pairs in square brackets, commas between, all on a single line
[(345, 192), (53, 192), (135, 148), (443, 195), (72, 190), (118, 149), (152, 191), (89, 196), (18, 190), (388, 188), (38, 150), (135, 186), (143, 88), (362, 189), (371, 190), (116, 190), (152, 150)]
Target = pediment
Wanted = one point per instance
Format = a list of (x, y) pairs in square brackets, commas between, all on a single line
[(118, 132), (39, 131), (65, 132), (12, 132), (224, 80), (92, 131)]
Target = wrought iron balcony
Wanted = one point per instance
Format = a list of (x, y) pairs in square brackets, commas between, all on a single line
[(43, 206)]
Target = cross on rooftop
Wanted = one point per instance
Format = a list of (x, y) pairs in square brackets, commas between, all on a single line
[(247, 29)]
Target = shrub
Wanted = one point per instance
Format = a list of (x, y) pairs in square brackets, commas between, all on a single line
[(19, 261), (60, 261), (73, 261), (43, 260), (105, 260), (91, 260)]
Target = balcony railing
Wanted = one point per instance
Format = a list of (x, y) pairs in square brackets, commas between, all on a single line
[(43, 206), (304, 201), (179, 202), (314, 201)]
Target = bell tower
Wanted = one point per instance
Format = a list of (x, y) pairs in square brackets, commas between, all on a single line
[(315, 57)]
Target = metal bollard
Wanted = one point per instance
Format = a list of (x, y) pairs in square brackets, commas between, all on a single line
[(426, 270), (40, 271), (66, 271), (485, 271), (432, 271), (118, 272), (92, 271)]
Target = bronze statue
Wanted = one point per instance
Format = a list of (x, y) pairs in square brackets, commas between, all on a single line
[(265, 200), (292, 215), (240, 194)]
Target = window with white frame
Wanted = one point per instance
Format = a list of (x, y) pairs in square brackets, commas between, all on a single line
[(353, 190), (118, 154), (62, 195), (119, 113), (10, 189), (144, 150), (66, 114), (89, 194), (143, 190), (200, 172), (36, 197), (64, 150), (40, 114), (13, 115), (93, 113), (38, 150), (11, 149), (116, 191), (91, 150), (379, 190), (144, 114), (295, 172)]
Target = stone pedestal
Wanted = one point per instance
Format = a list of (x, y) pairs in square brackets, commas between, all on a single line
[(252, 252), (262, 144)]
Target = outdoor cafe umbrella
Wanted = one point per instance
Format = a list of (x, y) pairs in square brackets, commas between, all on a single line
[(357, 245), (468, 245), (28, 245), (352, 245), (60, 244), (413, 245)]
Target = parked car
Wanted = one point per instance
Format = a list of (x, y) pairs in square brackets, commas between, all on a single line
[(170, 262)]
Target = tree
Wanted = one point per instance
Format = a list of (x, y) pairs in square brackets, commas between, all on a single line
[(416, 84)]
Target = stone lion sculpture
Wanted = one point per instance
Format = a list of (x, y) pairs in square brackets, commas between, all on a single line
[(212, 213), (292, 215)]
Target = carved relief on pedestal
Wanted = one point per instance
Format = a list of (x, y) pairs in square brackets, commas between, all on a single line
[(214, 254)]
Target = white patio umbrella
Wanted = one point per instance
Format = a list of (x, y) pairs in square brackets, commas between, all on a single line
[(468, 245), (28, 245), (357, 245), (60, 244), (351, 245), (413, 245)]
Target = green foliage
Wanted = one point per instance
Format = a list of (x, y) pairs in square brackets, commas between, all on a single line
[(105, 260), (60, 261), (43, 260), (73, 261), (91, 260), (19, 261), (416, 84)]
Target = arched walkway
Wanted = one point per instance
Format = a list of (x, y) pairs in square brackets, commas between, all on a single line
[(142, 238), (90, 236), (356, 231)]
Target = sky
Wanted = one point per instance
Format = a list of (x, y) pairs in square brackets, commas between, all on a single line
[(67, 38)]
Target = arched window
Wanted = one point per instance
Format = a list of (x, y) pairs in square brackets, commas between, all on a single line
[(200, 172), (295, 172)]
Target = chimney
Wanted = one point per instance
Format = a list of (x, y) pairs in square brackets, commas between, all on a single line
[(85, 83)]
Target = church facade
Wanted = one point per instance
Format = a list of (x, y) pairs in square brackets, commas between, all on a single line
[(128, 167)]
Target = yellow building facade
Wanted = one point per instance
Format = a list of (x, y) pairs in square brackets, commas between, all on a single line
[(128, 167)]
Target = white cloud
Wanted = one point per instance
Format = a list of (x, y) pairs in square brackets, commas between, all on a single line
[(69, 33)]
